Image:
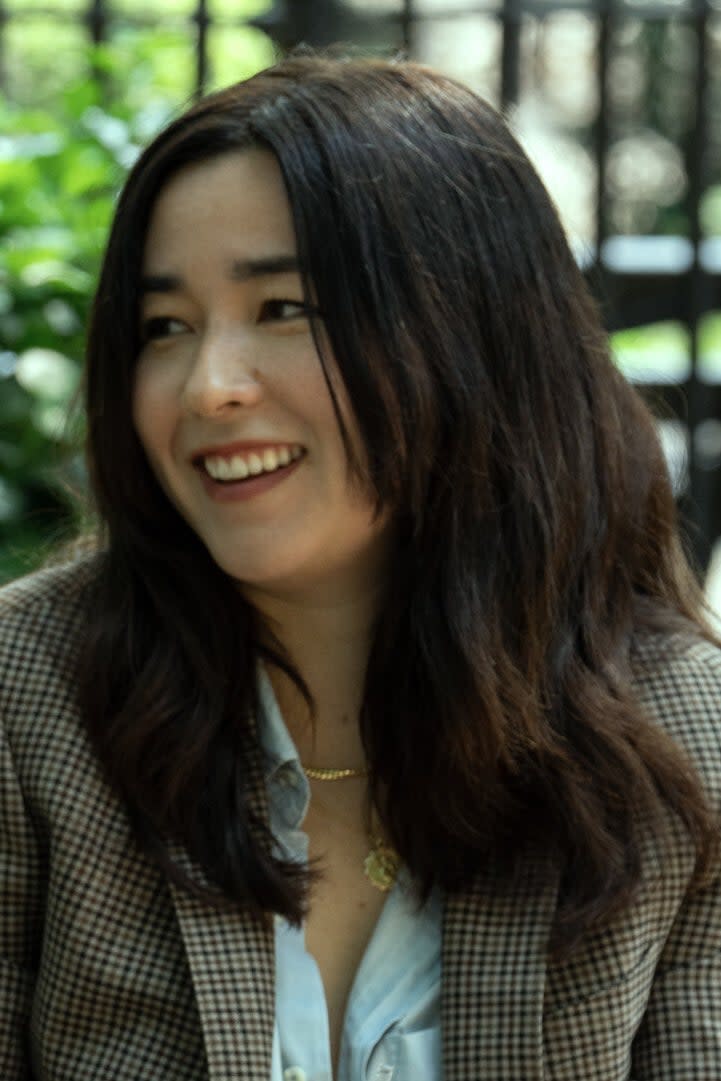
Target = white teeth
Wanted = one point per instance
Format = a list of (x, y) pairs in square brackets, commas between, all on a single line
[(270, 461), (240, 467)]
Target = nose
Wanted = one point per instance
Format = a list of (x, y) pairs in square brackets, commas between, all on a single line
[(223, 376)]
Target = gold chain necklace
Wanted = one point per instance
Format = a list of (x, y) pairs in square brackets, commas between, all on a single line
[(319, 773), (382, 863)]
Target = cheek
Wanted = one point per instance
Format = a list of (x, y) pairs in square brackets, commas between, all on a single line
[(152, 408), (142, 413)]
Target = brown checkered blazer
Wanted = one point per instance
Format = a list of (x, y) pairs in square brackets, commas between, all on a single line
[(108, 972)]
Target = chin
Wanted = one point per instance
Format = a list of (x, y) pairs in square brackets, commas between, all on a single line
[(258, 574)]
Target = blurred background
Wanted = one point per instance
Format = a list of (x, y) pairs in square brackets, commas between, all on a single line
[(618, 103)]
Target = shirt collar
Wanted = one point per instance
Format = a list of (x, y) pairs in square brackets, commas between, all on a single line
[(287, 784)]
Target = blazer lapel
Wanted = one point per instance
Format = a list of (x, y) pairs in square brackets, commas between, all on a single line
[(495, 937), (232, 964)]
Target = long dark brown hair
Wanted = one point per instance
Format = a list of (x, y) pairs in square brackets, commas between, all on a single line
[(537, 529)]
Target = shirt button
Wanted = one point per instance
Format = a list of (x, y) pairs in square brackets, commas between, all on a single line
[(294, 1073)]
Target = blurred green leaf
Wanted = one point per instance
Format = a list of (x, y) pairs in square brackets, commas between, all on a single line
[(47, 374)]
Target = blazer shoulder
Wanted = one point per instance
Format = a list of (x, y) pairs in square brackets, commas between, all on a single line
[(46, 608), (677, 678), (55, 583)]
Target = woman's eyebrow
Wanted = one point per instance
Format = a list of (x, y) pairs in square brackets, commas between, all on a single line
[(238, 270)]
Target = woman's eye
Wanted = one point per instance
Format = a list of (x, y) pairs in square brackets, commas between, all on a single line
[(283, 310), (161, 327)]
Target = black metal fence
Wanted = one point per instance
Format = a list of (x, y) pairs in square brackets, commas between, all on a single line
[(673, 272)]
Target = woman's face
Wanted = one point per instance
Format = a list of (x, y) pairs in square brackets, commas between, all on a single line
[(230, 402)]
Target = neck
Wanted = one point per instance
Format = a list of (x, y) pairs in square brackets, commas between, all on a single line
[(328, 642)]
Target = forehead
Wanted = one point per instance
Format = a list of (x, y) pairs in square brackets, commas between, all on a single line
[(236, 203)]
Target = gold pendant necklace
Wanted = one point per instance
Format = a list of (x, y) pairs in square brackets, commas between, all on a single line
[(382, 863)]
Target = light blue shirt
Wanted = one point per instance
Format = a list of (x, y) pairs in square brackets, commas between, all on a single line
[(391, 1030)]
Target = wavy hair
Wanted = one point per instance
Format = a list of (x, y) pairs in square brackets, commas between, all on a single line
[(537, 528)]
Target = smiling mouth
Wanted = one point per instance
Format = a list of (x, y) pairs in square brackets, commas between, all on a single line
[(248, 466)]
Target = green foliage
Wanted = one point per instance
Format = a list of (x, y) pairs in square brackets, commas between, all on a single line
[(150, 54), (62, 163), (73, 123), (58, 176)]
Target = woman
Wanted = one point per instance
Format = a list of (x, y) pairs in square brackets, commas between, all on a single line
[(379, 736)]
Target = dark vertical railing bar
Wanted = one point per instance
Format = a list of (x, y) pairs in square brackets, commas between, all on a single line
[(603, 124), (511, 55), (201, 47), (703, 483), (97, 21), (407, 24), (3, 72)]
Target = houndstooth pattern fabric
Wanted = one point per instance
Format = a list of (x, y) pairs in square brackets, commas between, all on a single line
[(109, 972)]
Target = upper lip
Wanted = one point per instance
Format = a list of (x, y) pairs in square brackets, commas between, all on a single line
[(228, 450)]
